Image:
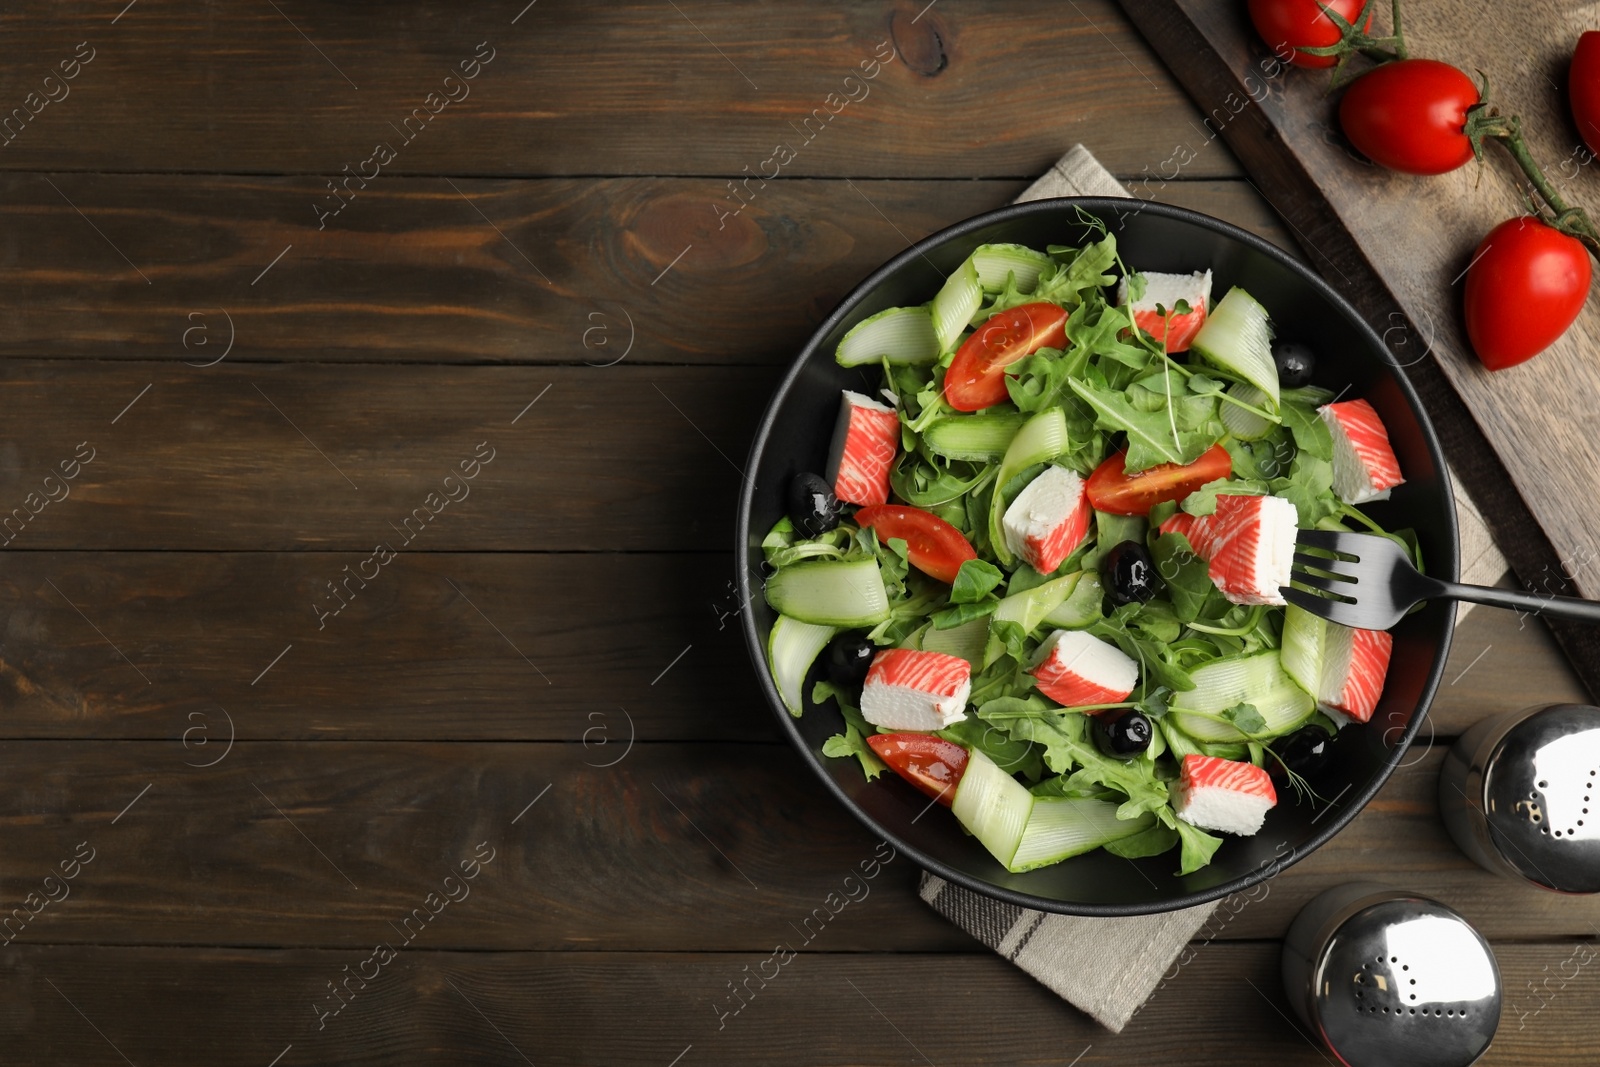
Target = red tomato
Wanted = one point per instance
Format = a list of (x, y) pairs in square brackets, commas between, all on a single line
[(1526, 284), (930, 763), (1408, 116), (1287, 25), (976, 378), (1111, 490), (1583, 86), (934, 546)]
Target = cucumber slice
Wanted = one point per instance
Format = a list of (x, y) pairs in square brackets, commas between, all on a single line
[(966, 641), (1237, 337), (1083, 607), (980, 438), (993, 805), (957, 301), (1257, 679), (899, 335), (791, 649), (1043, 437), (994, 262), (1062, 827), (830, 593), (1029, 608), (1304, 638), (1246, 425)]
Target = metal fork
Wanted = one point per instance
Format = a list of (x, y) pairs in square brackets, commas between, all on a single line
[(1369, 582)]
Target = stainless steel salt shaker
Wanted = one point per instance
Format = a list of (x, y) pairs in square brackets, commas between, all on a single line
[(1388, 978), (1516, 792)]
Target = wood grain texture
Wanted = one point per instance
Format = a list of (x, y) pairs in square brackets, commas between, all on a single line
[(462, 646), (573, 88), (339, 457), (677, 847), (1397, 246), (216, 1005), (466, 271)]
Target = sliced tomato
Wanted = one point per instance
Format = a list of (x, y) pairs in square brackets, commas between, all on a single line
[(977, 375), (1112, 490), (933, 546), (930, 763)]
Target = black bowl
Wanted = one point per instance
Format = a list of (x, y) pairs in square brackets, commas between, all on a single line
[(794, 437)]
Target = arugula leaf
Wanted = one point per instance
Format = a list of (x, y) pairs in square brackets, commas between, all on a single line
[(956, 614), (1309, 487), (1154, 704), (1014, 756), (1198, 846), (1150, 436), (1187, 576), (851, 743), (1012, 636), (1203, 501), (974, 580), (1152, 842), (1311, 434)]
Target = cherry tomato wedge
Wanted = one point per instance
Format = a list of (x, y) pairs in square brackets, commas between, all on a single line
[(1289, 25), (930, 763), (1583, 86), (976, 378), (1526, 283), (1111, 490), (933, 546), (1408, 116)]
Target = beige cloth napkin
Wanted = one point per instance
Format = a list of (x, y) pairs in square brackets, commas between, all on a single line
[(1109, 967)]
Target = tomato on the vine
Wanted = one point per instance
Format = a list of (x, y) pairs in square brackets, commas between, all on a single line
[(1408, 116), (1526, 284), (1583, 86), (1290, 25)]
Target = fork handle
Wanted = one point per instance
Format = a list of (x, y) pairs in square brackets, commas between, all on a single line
[(1560, 607)]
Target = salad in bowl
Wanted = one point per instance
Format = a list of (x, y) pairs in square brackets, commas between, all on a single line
[(1042, 563)]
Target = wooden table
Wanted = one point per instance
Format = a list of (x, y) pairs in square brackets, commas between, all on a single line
[(522, 346)]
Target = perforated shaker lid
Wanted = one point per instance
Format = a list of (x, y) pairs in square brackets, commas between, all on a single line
[(1542, 797), (1407, 980)]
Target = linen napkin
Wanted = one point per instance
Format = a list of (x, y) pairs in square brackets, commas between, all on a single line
[(1109, 967)]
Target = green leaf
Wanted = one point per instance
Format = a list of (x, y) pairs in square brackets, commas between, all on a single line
[(956, 614), (1151, 439), (1311, 434), (1187, 576), (1198, 847), (1203, 501), (1014, 756), (1246, 718), (974, 580), (1151, 842), (1012, 636), (1309, 487), (851, 743)]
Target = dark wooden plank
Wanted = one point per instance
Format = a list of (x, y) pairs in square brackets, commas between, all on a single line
[(338, 457), (441, 646), (727, 843), (708, 846), (572, 88), (548, 271), (213, 1005), (1397, 246), (412, 658)]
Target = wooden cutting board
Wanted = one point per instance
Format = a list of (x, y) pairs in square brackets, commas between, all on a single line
[(1525, 441)]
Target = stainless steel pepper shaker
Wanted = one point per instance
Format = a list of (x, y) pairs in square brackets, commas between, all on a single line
[(1516, 792), (1387, 978)]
